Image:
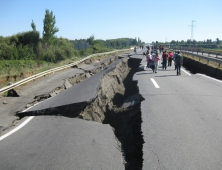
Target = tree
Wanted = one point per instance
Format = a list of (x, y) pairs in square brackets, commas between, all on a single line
[(49, 28), (33, 26), (91, 40), (188, 41), (134, 42), (30, 38), (173, 42), (218, 41), (194, 42)]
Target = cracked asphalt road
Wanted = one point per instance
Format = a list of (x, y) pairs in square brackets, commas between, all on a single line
[(181, 125), (56, 142), (27, 93)]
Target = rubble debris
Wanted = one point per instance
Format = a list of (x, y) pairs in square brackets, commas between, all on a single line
[(12, 93), (67, 84), (4, 102)]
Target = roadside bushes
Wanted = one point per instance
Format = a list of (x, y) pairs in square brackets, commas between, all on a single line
[(7, 52), (25, 53), (19, 46), (30, 38), (59, 50), (28, 46)]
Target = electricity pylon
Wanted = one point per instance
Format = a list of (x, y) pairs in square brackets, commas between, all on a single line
[(192, 25)]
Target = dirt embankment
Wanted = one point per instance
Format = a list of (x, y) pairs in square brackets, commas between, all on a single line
[(111, 86), (116, 87), (209, 68)]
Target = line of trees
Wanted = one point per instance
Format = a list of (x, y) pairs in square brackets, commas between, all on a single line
[(118, 43), (192, 43), (98, 45)]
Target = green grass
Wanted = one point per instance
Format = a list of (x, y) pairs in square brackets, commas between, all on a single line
[(15, 70), (212, 50), (5, 94)]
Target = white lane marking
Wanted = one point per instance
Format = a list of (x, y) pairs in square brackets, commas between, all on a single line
[(23, 124), (17, 128), (186, 71), (210, 77), (154, 82)]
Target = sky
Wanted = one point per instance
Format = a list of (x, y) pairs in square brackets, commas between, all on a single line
[(150, 20)]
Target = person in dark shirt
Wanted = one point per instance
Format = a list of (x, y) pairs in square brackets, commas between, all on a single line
[(178, 61), (165, 57)]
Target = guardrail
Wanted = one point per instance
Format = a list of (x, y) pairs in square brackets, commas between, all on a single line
[(201, 50), (208, 59), (33, 77)]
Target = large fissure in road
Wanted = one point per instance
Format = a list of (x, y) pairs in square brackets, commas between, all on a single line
[(118, 104)]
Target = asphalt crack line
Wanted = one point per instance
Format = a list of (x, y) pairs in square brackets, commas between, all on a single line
[(159, 162)]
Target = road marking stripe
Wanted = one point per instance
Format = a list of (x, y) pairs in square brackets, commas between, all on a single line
[(210, 77), (23, 124), (154, 82), (186, 71), (17, 128)]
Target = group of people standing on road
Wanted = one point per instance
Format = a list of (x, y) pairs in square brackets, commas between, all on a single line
[(160, 48), (167, 58), (152, 60)]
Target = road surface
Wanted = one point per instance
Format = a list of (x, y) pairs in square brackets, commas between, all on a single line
[(182, 120)]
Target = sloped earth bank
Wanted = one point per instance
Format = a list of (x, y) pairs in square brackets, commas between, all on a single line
[(198, 67), (116, 87)]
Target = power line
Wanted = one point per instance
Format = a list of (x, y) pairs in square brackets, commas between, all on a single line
[(217, 25)]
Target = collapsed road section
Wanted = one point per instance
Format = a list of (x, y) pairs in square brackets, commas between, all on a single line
[(110, 97)]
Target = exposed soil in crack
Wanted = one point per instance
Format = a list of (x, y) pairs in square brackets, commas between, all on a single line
[(111, 84), (116, 87), (198, 67), (127, 123), (127, 129)]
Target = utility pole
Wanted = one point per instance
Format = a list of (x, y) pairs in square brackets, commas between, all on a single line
[(192, 25)]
